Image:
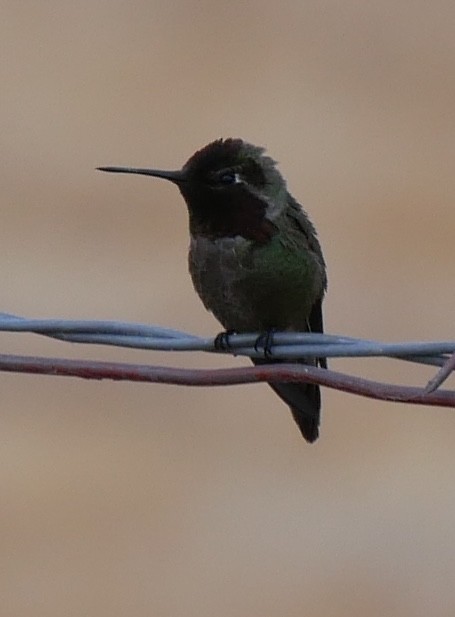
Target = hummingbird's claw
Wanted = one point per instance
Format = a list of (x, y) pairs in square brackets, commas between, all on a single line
[(264, 343), (221, 342)]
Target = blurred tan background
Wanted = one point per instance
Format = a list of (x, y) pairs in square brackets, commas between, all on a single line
[(123, 499)]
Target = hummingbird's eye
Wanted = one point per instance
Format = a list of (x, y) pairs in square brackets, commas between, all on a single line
[(229, 177)]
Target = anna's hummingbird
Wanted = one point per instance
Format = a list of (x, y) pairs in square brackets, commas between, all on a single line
[(254, 257)]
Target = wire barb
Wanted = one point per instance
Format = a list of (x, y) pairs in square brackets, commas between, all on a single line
[(441, 375)]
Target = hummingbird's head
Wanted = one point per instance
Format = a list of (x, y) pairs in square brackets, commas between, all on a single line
[(230, 187)]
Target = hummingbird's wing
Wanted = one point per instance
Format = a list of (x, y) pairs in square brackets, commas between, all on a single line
[(302, 224), (304, 400), (315, 323)]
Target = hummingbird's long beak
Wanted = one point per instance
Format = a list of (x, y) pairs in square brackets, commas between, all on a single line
[(173, 176)]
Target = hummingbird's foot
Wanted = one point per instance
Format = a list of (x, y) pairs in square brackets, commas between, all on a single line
[(264, 343), (221, 342)]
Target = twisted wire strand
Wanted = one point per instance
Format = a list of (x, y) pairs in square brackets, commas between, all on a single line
[(286, 345)]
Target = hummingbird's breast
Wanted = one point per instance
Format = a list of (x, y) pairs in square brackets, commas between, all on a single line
[(218, 268), (251, 287)]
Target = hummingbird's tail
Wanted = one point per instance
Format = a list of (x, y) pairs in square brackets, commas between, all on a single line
[(304, 400)]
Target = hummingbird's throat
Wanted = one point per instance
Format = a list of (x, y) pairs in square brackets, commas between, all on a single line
[(243, 216)]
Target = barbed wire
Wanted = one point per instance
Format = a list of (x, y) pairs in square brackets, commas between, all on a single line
[(286, 348)]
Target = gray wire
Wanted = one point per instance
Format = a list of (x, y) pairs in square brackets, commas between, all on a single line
[(288, 345)]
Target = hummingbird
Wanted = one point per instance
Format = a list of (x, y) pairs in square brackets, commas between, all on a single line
[(254, 257)]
